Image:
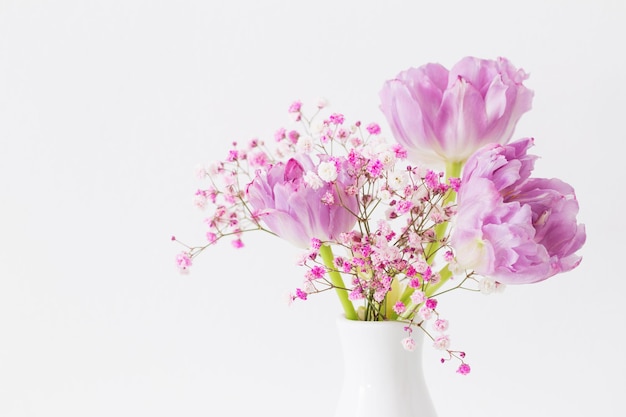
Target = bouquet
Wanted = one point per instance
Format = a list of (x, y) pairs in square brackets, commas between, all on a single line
[(390, 227)]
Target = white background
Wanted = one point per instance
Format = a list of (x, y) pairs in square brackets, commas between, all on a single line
[(107, 107)]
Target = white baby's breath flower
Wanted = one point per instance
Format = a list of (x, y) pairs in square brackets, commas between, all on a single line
[(455, 268), (301, 258), (284, 148), (308, 287), (487, 286), (213, 168), (397, 180), (327, 171), (418, 196), (375, 146), (442, 342), (437, 214), (201, 172), (312, 180), (317, 127), (288, 298), (200, 201), (305, 144), (388, 158), (378, 144)]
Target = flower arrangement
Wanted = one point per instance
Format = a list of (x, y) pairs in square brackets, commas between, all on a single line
[(391, 227)]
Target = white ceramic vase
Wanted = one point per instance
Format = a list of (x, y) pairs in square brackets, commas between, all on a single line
[(381, 378)]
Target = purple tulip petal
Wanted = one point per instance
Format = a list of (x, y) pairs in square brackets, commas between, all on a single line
[(443, 116), (295, 211), (525, 229)]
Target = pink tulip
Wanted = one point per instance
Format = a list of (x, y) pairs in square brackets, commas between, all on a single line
[(511, 227), (297, 212), (443, 116)]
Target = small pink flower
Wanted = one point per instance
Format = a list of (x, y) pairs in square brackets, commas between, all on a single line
[(455, 183), (356, 294), (411, 272), (408, 343), (258, 159), (403, 207), (375, 168), (200, 199), (400, 152), (328, 198), (442, 342), (418, 297), (336, 118), (301, 294), (432, 179), (464, 369), (342, 135), (399, 307), (211, 237), (351, 190), (295, 107), (318, 271), (293, 136), (427, 273), (441, 325), (373, 129), (431, 303), (425, 313), (237, 244), (379, 295), (183, 261), (280, 134), (233, 155)]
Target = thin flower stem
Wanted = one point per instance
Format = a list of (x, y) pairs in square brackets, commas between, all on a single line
[(444, 276), (335, 277), (453, 170), (429, 291)]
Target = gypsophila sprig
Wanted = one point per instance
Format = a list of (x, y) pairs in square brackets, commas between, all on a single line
[(391, 236), (392, 208)]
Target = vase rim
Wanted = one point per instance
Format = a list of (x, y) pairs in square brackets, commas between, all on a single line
[(342, 318)]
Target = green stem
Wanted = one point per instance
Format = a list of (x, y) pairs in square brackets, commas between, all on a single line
[(453, 170), (335, 278), (444, 276)]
